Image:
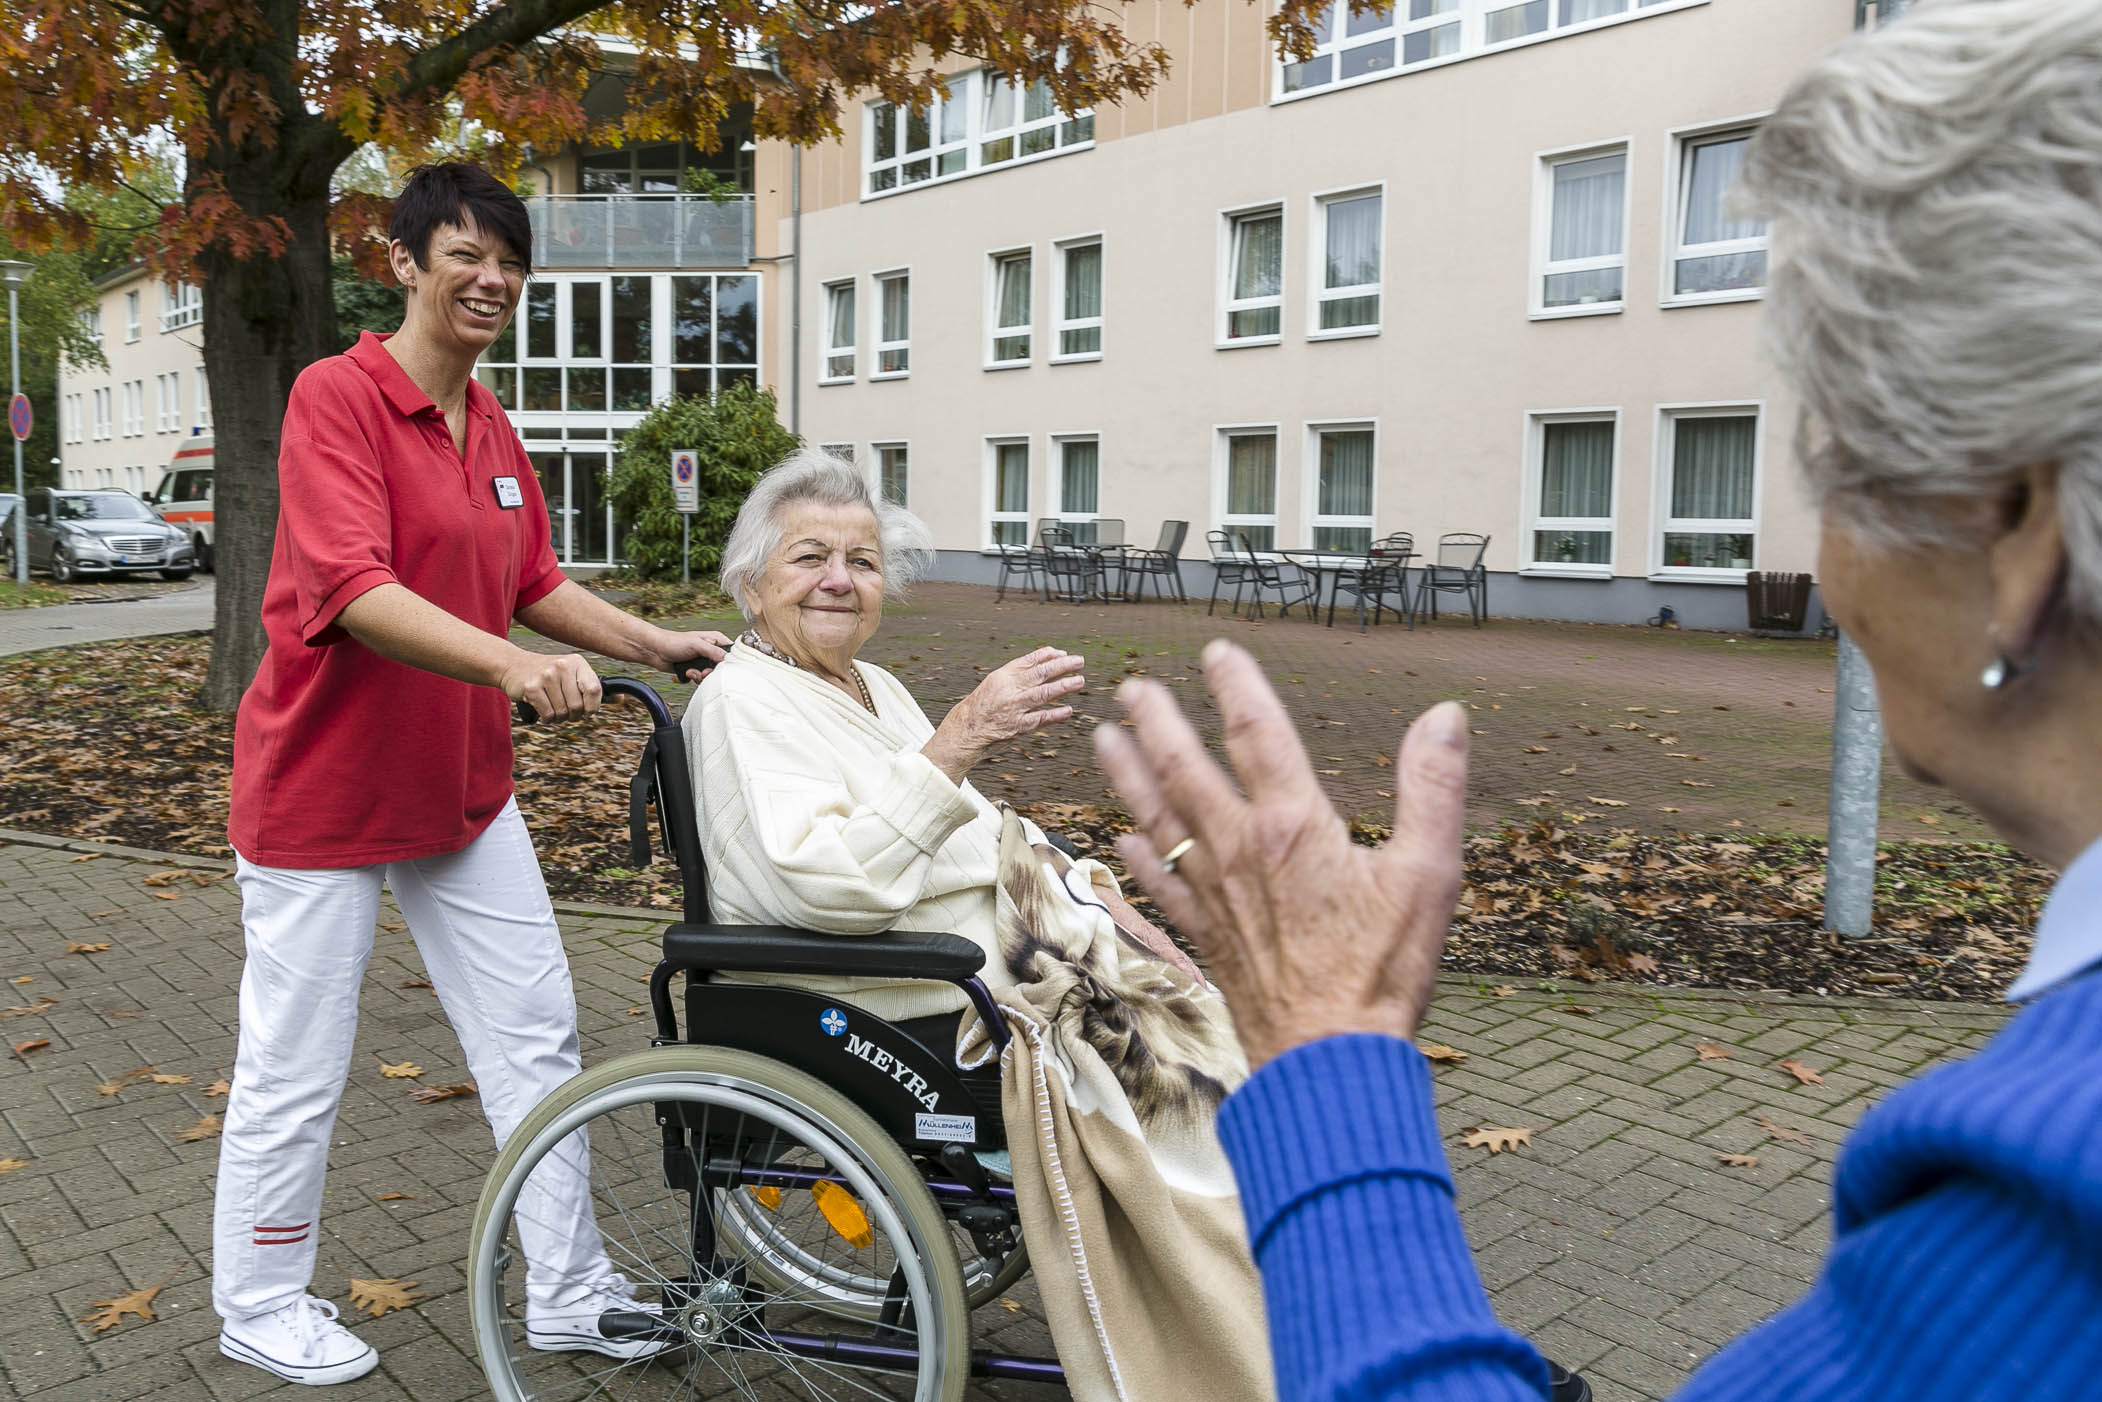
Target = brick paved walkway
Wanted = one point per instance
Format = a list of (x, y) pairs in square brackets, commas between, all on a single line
[(1617, 1241)]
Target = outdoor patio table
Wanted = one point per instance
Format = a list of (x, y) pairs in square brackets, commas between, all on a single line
[(1335, 564)]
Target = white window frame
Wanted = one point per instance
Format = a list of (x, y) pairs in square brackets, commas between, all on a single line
[(878, 346), (968, 91), (167, 401), (1529, 518), (1310, 478), (828, 374), (1471, 15), (1222, 453), (840, 450), (1678, 151), (135, 408), (876, 452), (91, 321), (131, 316), (1059, 322), (996, 332), (204, 400), (990, 486), (1318, 292), (1227, 303), (182, 304), (99, 407), (1662, 523), (1544, 164), (1055, 474)]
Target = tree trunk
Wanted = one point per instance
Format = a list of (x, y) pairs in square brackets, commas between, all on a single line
[(265, 320)]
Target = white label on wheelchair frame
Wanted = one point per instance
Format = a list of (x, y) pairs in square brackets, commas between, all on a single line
[(946, 1129)]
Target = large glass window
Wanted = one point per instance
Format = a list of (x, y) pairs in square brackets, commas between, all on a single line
[(893, 472), (1077, 266), (1572, 510), (589, 345), (1009, 492), (894, 328), (715, 326), (1716, 254), (1344, 459), (1711, 490), (839, 331), (1346, 293), (1251, 487), (1405, 34), (1584, 258), (980, 121), (1008, 317), (908, 147), (1253, 297), (1080, 486)]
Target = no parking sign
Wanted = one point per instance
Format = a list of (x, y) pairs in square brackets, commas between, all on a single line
[(19, 417), (685, 480)]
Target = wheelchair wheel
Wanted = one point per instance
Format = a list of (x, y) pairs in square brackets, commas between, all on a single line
[(785, 1241), (667, 1136)]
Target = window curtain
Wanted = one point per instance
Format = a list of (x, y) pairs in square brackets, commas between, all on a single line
[(1014, 292), (1346, 474), (1080, 489), (1011, 490), (840, 335), (893, 468), (1353, 242), (999, 103), (1576, 470), (1713, 166), (1589, 196), (1251, 475), (897, 309), (1083, 282), (1258, 256), (1577, 11), (1711, 469)]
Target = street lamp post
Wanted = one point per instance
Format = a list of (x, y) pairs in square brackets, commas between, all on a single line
[(14, 274)]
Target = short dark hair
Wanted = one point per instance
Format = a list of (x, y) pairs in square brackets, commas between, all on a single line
[(456, 193)]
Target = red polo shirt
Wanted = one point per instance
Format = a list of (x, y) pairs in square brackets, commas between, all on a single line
[(341, 757)]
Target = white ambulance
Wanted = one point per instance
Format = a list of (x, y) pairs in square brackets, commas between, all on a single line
[(184, 497)]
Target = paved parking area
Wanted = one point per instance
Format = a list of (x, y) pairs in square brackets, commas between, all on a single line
[(1617, 1240)]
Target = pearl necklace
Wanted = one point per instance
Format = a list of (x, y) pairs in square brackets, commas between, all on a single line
[(751, 639)]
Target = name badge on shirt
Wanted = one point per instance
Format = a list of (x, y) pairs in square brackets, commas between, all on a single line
[(507, 493)]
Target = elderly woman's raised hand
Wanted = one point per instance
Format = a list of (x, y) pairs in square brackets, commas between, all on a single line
[(1307, 934), (1022, 697)]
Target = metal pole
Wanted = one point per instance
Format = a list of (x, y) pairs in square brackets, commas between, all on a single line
[(685, 547), (795, 296), (14, 357), (1857, 774)]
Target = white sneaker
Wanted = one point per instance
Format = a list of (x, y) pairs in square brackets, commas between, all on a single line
[(604, 1318), (301, 1343)]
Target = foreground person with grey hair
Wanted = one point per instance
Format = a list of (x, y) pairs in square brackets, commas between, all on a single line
[(1936, 191)]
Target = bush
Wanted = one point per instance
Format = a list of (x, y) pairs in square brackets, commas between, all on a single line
[(735, 435)]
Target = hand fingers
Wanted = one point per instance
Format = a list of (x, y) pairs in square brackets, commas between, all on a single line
[(1194, 787), (1430, 806), (1260, 737)]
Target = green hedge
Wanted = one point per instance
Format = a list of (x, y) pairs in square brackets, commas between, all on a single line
[(736, 435)]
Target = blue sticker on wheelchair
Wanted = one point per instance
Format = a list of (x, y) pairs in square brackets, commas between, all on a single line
[(946, 1129), (833, 1021)]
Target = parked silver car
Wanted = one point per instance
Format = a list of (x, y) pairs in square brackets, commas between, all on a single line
[(74, 534)]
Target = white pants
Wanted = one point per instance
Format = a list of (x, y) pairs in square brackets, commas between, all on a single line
[(481, 920)]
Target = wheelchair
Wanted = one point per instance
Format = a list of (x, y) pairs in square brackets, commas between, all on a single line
[(799, 1187)]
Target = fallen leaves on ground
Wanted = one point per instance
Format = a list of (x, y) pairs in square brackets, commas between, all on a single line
[(107, 1314), (23, 1049), (1713, 1051), (43, 1001), (76, 947), (1438, 1051), (1781, 1131), (10, 1165), (397, 1197), (1495, 1140), (400, 1070), (203, 1129), (218, 1088), (376, 1297), (1738, 1160), (1804, 1075), (415, 983), (431, 1095)]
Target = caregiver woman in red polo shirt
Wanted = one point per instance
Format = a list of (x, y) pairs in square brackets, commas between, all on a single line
[(374, 748)]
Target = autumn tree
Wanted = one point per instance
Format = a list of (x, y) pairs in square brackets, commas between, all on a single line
[(268, 98)]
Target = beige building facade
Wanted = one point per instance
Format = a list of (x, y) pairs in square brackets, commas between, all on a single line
[(1470, 270), (120, 426)]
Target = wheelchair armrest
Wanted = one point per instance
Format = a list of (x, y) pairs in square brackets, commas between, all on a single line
[(777, 949)]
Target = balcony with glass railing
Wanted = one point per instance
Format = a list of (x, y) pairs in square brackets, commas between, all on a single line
[(641, 231)]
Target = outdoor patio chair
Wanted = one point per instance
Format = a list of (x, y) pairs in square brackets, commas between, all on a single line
[(1228, 567), (1386, 573), (1070, 572), (1163, 562), (1457, 570), (1291, 584), (1019, 563)]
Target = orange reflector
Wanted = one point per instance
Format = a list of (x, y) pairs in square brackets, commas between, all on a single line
[(769, 1198), (843, 1213)]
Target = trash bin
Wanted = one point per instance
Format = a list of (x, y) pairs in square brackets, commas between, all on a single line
[(1776, 602)]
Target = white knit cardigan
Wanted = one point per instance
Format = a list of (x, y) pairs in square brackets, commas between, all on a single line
[(816, 814)]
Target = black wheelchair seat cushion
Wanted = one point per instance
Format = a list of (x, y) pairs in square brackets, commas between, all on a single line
[(777, 949)]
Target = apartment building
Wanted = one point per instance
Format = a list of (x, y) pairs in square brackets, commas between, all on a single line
[(119, 426), (1468, 268)]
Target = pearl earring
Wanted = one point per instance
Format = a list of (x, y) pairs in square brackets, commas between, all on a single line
[(2000, 671)]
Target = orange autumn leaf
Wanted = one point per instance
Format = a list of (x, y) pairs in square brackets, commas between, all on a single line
[(431, 1095), (218, 1088), (1495, 1140), (1738, 1160), (1712, 1051), (75, 947), (377, 1297), (1804, 1075), (1438, 1051), (107, 1314), (1781, 1131), (203, 1129), (399, 1071)]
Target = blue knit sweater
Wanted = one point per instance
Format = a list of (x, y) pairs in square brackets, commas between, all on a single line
[(1966, 1261)]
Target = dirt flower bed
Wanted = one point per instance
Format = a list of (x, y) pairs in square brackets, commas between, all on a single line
[(104, 744)]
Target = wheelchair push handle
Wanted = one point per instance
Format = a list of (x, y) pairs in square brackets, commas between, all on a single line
[(634, 687)]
